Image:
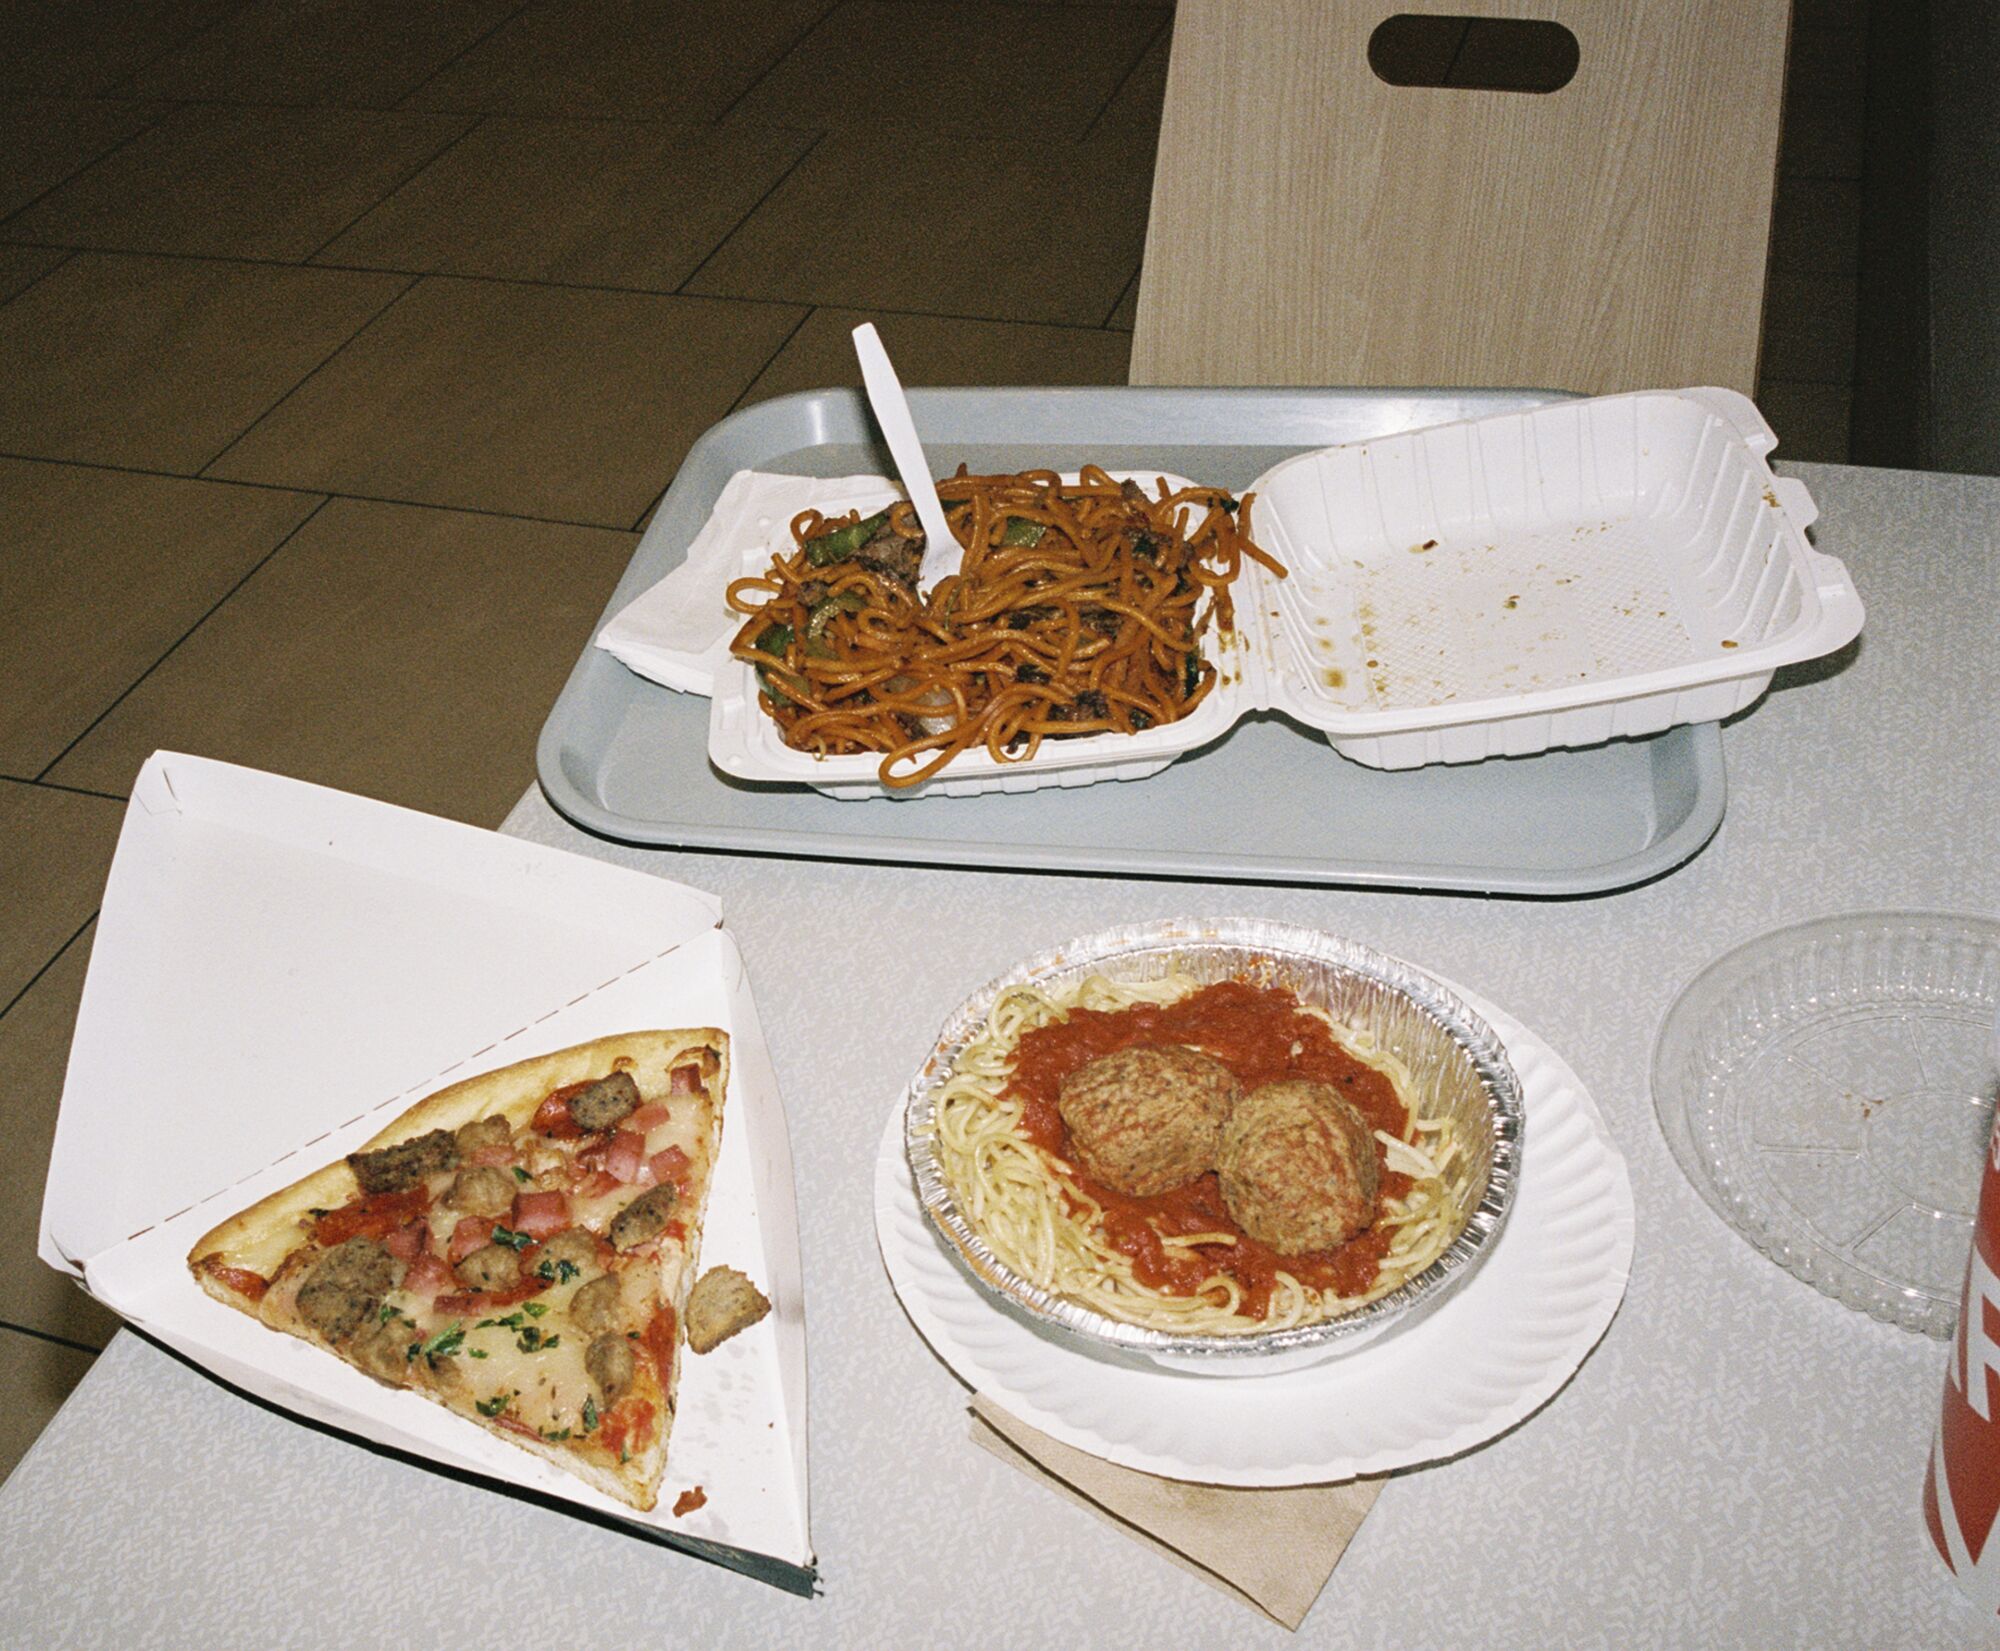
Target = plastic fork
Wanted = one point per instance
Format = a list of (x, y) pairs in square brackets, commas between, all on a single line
[(942, 552)]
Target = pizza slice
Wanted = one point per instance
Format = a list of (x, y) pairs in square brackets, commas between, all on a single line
[(518, 1247)]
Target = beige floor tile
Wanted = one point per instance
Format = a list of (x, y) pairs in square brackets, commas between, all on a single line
[(22, 267), (864, 222), (1816, 226), (389, 650), (964, 66), (34, 1051), (1137, 104), (86, 47), (678, 60), (1826, 85), (360, 53), (1809, 327), (45, 140), (37, 1376), (597, 203), (239, 182), (103, 572), (540, 401), (929, 349), (1811, 420), (160, 363), (55, 852)]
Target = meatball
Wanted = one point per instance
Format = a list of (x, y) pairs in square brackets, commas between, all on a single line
[(645, 1217), (610, 1363), (483, 1132), (494, 1267), (597, 1305), (345, 1287), (722, 1302), (605, 1102), (1148, 1118), (482, 1190), (402, 1166), (1298, 1167), (383, 1351), (573, 1245)]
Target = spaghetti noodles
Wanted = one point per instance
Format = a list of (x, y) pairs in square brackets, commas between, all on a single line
[(1079, 608), (1177, 1262)]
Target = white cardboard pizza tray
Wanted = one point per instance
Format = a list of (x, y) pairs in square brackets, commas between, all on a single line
[(279, 970)]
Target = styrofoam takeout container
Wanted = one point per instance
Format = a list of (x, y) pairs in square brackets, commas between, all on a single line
[(278, 971), (1578, 572)]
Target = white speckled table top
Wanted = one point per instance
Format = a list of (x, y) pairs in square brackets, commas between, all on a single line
[(1739, 1462)]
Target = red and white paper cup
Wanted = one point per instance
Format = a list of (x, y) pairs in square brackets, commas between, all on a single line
[(1962, 1486)]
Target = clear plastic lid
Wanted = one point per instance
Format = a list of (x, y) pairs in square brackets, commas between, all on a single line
[(1829, 1089)]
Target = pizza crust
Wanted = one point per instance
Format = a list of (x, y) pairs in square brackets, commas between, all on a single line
[(263, 1238), (268, 1230)]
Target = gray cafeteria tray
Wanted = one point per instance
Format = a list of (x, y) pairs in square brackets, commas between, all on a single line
[(1268, 801)]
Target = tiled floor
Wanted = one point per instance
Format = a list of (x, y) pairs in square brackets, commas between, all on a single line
[(344, 347)]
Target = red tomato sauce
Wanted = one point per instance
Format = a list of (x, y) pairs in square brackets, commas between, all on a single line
[(1262, 1035), (660, 1339), (629, 1426), (553, 1118), (240, 1279), (372, 1215)]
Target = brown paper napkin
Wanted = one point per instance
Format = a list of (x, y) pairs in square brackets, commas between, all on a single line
[(1271, 1549)]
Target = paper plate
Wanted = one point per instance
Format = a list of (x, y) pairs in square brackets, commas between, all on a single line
[(1488, 1358)]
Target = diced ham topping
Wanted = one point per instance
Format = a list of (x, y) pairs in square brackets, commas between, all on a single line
[(623, 1154), (596, 1184), (649, 1116), (473, 1232), (540, 1213), (427, 1276), (406, 1243), (670, 1165), (493, 1157), (684, 1080)]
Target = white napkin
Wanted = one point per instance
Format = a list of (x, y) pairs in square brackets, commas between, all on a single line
[(677, 633), (1273, 1550)]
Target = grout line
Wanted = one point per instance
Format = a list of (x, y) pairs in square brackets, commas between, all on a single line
[(54, 785), (460, 55), (186, 41), (416, 275), (472, 125), (771, 67), (783, 345), (779, 183), (95, 160), (216, 458), (1124, 80), (67, 254), (46, 967), (762, 369), (657, 497), (50, 1336), (326, 494), (1105, 325), (412, 275), (262, 562)]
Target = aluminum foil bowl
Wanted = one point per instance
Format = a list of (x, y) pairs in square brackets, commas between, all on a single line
[(1450, 1051)]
